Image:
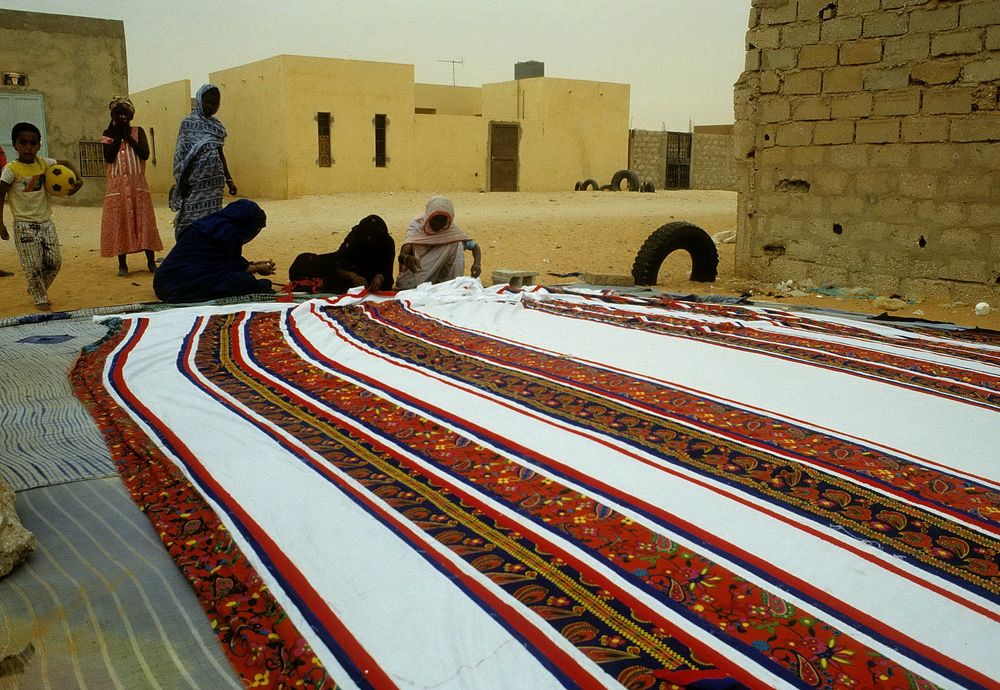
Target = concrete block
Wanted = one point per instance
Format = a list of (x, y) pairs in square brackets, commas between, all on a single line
[(861, 52), (840, 29), (800, 34), (807, 156), (968, 270), (899, 4), (983, 216), (794, 134), (848, 157), (918, 186), (842, 207), (781, 59), (936, 213), (898, 156), (853, 105), (877, 132), (938, 156), (804, 82), (873, 184), (947, 100), (890, 103), (925, 129), (811, 108), (978, 155), (608, 279), (770, 82), (774, 109), (906, 49), (764, 38), (982, 70), (879, 282), (970, 186), (514, 277), (752, 61), (846, 8), (962, 239), (976, 14), (843, 79), (993, 38), (973, 294), (780, 13), (889, 79), (897, 209), (819, 55), (885, 24), (976, 127), (925, 289), (957, 43), (934, 20), (831, 181), (935, 72), (835, 132)]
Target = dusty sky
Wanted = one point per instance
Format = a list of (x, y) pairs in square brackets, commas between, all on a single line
[(681, 57)]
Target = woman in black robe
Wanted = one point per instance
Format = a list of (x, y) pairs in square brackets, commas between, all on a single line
[(365, 257), (207, 261)]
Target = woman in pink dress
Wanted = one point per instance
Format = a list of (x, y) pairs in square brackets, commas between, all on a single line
[(128, 224)]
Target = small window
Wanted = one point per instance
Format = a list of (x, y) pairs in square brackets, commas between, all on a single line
[(325, 160), (381, 123), (92, 163)]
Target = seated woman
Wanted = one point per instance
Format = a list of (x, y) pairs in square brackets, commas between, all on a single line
[(434, 249), (207, 261), (364, 258)]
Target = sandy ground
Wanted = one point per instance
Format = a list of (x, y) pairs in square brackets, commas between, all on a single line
[(556, 232)]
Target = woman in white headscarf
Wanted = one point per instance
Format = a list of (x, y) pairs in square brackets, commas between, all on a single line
[(434, 248)]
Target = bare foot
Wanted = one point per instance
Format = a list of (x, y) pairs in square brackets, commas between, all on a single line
[(44, 306)]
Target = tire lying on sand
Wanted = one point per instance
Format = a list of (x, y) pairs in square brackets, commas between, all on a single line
[(669, 238), (630, 175), (578, 186), (589, 184), (607, 188), (648, 186)]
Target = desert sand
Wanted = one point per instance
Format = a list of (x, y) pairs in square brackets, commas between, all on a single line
[(554, 232)]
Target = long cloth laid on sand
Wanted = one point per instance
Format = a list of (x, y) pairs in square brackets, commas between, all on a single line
[(459, 487)]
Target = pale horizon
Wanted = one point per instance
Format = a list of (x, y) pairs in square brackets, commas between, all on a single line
[(681, 58)]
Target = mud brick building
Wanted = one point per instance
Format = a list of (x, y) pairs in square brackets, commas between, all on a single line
[(868, 145)]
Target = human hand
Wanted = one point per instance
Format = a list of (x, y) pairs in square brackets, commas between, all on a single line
[(264, 268), (410, 262), (76, 187), (231, 186), (476, 270)]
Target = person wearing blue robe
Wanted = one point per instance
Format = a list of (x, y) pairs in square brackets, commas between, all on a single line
[(207, 261)]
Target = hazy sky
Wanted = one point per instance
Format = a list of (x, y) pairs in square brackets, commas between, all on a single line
[(681, 57)]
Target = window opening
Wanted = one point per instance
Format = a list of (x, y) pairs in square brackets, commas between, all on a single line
[(324, 160), (92, 159), (381, 123)]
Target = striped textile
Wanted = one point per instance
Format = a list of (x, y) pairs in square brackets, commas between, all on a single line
[(100, 603), (46, 437), (478, 488)]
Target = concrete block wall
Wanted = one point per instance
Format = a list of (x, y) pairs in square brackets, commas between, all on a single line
[(647, 154), (868, 145), (712, 163)]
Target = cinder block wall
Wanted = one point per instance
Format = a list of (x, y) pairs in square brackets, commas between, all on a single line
[(712, 163), (868, 145), (647, 156)]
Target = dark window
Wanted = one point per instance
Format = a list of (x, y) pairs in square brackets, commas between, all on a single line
[(92, 159), (323, 135), (152, 145), (381, 123)]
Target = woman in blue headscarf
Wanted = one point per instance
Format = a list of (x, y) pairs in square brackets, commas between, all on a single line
[(207, 261), (200, 168)]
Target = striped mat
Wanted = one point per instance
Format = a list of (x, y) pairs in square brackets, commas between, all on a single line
[(477, 488), (99, 604), (46, 437)]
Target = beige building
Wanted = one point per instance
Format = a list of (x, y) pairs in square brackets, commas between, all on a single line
[(301, 126), (59, 72), (868, 141)]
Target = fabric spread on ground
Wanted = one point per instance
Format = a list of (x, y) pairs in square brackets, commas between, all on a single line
[(459, 487)]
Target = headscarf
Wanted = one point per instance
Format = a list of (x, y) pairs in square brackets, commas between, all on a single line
[(197, 131), (233, 226), (124, 102), (420, 231)]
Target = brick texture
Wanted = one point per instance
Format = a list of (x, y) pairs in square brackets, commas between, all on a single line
[(891, 111)]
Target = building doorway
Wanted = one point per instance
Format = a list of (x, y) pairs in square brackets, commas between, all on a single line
[(678, 160), (18, 107), (503, 157)]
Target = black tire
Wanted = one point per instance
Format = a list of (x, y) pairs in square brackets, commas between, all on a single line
[(578, 186), (668, 239), (633, 180), (648, 186), (589, 184), (606, 188)]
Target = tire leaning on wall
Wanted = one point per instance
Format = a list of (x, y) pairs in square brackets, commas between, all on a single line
[(665, 240), (589, 184), (630, 175)]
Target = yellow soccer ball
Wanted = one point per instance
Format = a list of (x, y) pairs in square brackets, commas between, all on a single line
[(59, 180)]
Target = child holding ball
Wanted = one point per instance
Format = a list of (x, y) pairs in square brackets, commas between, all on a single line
[(34, 232)]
